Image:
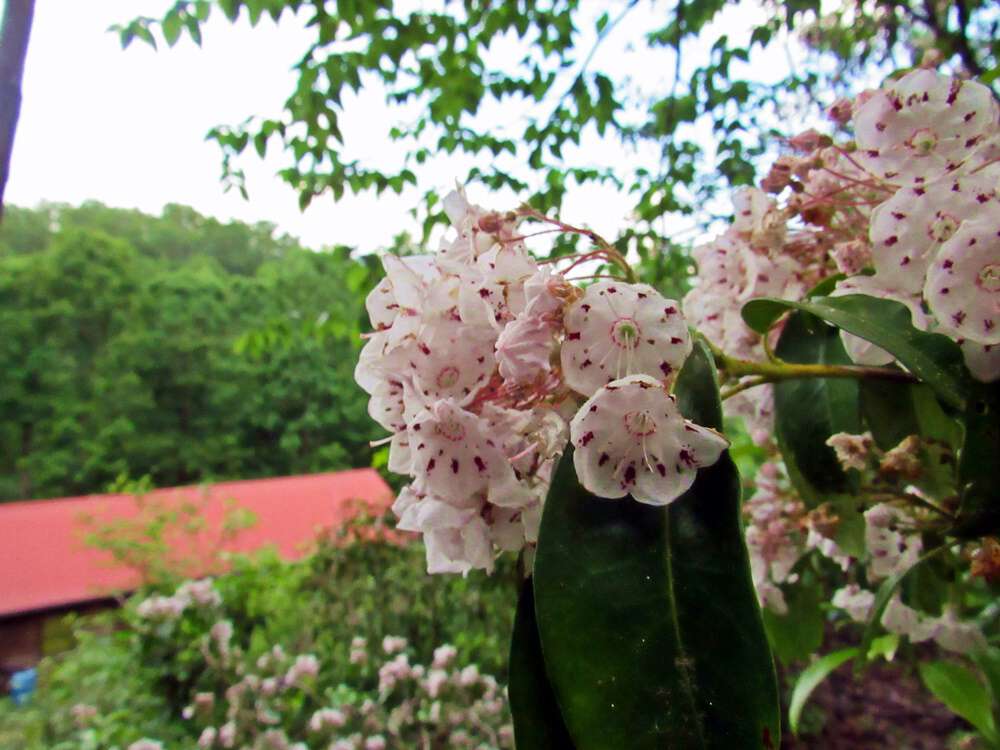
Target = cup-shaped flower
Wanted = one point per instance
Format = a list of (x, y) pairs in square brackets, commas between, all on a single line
[(619, 329), (457, 457), (908, 229), (963, 283), (630, 438), (923, 126)]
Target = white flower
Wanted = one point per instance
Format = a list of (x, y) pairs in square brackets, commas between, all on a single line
[(907, 230), (457, 539), (982, 360), (960, 637), (306, 666), (891, 550), (854, 600), (327, 717), (630, 438), (451, 360), (392, 644), (619, 329), (444, 655), (923, 126), (207, 737), (756, 218), (851, 256), (162, 608), (524, 348), (436, 679), (221, 632), (771, 597), (963, 283), (902, 620), (227, 734), (403, 290), (201, 593), (469, 676), (146, 744), (852, 450), (457, 457)]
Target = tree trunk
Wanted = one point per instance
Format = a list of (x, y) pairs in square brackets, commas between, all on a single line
[(14, 32)]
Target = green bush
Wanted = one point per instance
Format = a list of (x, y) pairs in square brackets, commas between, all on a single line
[(132, 673)]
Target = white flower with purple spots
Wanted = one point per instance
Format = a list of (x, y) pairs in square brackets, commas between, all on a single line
[(923, 126), (631, 439), (458, 456), (907, 230), (619, 329), (963, 283)]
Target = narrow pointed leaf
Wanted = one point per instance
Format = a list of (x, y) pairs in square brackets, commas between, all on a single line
[(961, 691), (809, 680), (935, 359), (808, 411), (538, 725), (649, 625)]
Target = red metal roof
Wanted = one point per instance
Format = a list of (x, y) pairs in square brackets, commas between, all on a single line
[(44, 562)]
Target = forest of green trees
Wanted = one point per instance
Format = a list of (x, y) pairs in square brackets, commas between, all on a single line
[(174, 347)]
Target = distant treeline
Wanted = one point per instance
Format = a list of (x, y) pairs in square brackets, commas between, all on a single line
[(175, 347)]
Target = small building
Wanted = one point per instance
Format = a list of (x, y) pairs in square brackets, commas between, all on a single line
[(48, 569)]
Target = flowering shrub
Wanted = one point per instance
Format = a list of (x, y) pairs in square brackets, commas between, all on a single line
[(850, 313), (251, 696), (175, 663)]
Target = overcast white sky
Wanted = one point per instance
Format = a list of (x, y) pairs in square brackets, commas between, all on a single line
[(127, 127)]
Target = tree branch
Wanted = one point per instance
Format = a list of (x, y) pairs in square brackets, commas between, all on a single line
[(14, 32)]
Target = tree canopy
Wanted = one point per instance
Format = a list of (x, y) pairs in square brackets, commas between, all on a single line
[(136, 345), (695, 68)]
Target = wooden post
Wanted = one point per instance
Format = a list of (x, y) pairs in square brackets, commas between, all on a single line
[(15, 29)]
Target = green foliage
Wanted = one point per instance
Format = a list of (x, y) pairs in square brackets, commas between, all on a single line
[(538, 723), (949, 422), (658, 638), (448, 63), (807, 412), (963, 693), (932, 357), (104, 669), (798, 634), (120, 348), (812, 676), (140, 675)]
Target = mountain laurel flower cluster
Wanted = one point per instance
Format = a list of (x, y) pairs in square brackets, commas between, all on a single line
[(189, 595), (906, 208), (484, 363), (908, 211)]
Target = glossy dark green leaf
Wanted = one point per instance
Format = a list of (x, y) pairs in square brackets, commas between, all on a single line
[(808, 411), (648, 620), (979, 511), (935, 359), (892, 411), (538, 725), (888, 411)]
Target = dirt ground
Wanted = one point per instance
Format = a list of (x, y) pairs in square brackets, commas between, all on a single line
[(887, 708)]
